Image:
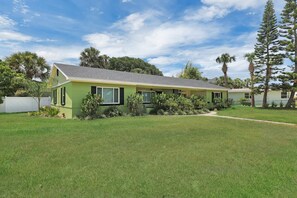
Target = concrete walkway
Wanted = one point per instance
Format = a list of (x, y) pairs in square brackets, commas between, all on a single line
[(214, 114)]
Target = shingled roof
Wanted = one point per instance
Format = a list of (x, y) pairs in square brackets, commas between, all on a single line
[(76, 73)]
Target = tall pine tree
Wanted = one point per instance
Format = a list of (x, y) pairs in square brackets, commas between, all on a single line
[(267, 50), (288, 43)]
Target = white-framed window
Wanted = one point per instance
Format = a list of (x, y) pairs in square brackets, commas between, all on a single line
[(217, 95), (147, 96), (247, 95), (110, 95), (284, 94)]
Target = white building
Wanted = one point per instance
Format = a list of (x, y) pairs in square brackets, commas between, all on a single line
[(273, 96)]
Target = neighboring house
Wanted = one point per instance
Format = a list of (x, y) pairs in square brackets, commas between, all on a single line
[(276, 96), (70, 84)]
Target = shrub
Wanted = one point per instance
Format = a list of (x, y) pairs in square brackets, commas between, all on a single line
[(184, 103), (135, 104), (90, 106), (210, 106), (273, 104), (198, 102), (112, 111), (245, 102), (46, 112), (229, 102), (281, 104), (160, 112), (159, 101)]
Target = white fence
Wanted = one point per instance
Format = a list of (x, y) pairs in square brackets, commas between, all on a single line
[(22, 104)]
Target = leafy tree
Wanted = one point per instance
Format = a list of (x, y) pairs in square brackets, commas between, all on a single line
[(191, 72), (250, 57), (91, 57), (29, 64), (36, 90), (288, 43), (234, 84), (135, 65), (225, 59), (267, 50), (10, 81)]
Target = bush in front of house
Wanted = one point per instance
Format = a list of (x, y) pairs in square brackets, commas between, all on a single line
[(245, 102), (90, 106), (185, 104), (198, 102), (46, 112), (113, 111), (135, 104)]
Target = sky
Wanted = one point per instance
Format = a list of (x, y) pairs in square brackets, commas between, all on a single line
[(166, 33)]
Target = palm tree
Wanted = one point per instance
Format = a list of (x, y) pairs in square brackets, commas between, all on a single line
[(91, 57), (225, 58), (30, 64), (250, 57)]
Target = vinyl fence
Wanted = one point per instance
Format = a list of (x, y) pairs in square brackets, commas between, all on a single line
[(22, 104)]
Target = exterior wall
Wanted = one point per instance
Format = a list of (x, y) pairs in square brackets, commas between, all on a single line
[(66, 109), (273, 96), (22, 104), (80, 90)]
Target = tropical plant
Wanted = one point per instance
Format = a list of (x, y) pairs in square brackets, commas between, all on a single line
[(267, 50), (288, 43), (29, 64), (135, 104), (225, 59), (90, 106), (191, 72), (250, 57), (91, 57)]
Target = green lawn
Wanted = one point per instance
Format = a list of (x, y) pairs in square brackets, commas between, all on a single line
[(150, 156), (278, 115)]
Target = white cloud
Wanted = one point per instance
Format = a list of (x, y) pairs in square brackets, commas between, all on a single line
[(20, 6), (236, 4), (126, 1), (6, 22), (14, 36), (206, 13), (69, 54), (163, 60)]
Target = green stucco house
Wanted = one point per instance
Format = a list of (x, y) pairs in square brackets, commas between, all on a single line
[(70, 84)]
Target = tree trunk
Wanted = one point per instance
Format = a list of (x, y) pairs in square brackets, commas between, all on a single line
[(291, 99), (39, 104), (252, 88), (266, 87), (226, 79)]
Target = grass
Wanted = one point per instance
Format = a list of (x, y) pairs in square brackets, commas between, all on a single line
[(150, 156), (277, 115)]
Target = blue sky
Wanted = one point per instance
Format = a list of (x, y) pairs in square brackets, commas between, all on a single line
[(167, 33)]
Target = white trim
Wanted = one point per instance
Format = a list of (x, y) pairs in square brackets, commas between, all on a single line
[(141, 84), (58, 85), (61, 71), (113, 88)]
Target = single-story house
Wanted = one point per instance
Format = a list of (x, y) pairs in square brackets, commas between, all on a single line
[(70, 84), (276, 96)]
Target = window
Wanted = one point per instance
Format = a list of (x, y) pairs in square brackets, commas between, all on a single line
[(284, 94), (55, 96), (63, 96), (147, 96), (57, 72), (217, 95), (109, 95), (247, 95)]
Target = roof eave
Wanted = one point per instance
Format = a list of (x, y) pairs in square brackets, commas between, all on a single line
[(89, 80)]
